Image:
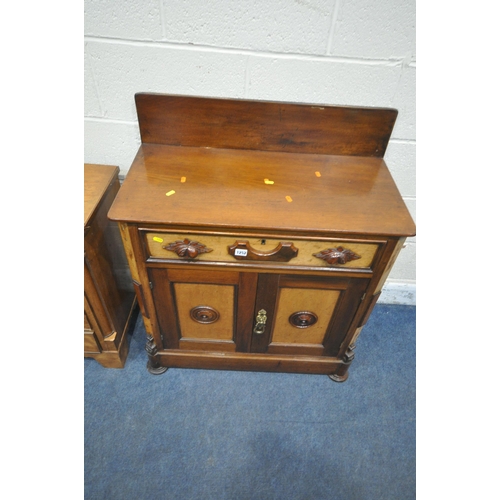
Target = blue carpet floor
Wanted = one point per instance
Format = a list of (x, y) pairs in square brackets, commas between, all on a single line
[(222, 435)]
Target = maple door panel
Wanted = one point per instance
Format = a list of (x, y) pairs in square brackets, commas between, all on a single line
[(205, 311), (316, 304)]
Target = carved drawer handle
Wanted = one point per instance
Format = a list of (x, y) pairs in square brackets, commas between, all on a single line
[(303, 319), (242, 250), (339, 255), (187, 249)]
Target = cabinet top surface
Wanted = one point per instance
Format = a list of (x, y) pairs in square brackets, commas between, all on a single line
[(244, 189), (97, 179)]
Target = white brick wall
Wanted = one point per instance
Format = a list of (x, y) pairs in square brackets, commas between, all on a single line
[(352, 52)]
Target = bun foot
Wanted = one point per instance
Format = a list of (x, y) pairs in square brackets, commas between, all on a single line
[(338, 378), (155, 370)]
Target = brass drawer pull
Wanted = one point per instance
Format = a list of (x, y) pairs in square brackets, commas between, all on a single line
[(242, 250), (260, 322)]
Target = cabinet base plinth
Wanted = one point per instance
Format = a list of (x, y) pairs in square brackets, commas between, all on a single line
[(336, 369)]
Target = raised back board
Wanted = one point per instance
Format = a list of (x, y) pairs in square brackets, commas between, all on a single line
[(262, 125)]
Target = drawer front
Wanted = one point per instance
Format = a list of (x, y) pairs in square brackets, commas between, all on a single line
[(238, 248)]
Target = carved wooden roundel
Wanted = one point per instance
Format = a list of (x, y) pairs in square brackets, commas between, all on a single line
[(204, 314), (303, 319)]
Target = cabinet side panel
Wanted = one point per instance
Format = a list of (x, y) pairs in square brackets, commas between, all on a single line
[(128, 247), (341, 324)]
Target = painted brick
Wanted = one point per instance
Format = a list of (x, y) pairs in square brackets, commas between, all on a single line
[(111, 143), (129, 19), (322, 81), (363, 30), (401, 161), (405, 265), (381, 29), (123, 70), (300, 26), (411, 205), (405, 101), (91, 100)]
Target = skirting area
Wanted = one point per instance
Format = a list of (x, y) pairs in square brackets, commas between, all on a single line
[(222, 435), (399, 293)]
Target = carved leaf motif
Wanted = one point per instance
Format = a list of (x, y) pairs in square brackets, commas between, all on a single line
[(339, 255), (186, 248)]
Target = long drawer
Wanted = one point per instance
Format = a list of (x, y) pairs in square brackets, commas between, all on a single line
[(233, 248)]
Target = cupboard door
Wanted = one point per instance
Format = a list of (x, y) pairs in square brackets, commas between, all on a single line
[(305, 315), (204, 310)]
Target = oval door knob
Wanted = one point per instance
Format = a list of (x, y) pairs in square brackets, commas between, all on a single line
[(204, 314), (303, 319)]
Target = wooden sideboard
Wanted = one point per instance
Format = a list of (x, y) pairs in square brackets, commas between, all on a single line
[(259, 234), (108, 305)]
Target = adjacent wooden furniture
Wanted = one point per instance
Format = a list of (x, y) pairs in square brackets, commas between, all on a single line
[(108, 306), (259, 234)]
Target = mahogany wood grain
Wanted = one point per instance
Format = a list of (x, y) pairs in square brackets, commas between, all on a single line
[(207, 345), (91, 343), (165, 309), (266, 298), (382, 268), (225, 189), (250, 362), (347, 306), (108, 304), (98, 180), (219, 171), (369, 310), (267, 126), (247, 289)]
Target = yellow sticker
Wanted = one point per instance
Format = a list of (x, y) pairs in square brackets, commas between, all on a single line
[(183, 179), (289, 199), (159, 240), (318, 174), (267, 181), (170, 193)]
